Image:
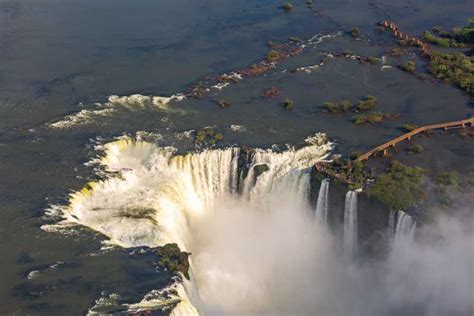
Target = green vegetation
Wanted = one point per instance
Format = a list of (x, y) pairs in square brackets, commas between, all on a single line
[(409, 66), (409, 127), (294, 39), (223, 103), (440, 41), (373, 60), (454, 68), (172, 259), (287, 6), (337, 107), (397, 52), (470, 180), (355, 32), (273, 55), (207, 136), (463, 35), (373, 117), (416, 149), (358, 174), (401, 187), (367, 104), (288, 104), (450, 179)]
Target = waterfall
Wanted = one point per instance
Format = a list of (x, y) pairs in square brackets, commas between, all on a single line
[(322, 205), (161, 197), (401, 227), (350, 224)]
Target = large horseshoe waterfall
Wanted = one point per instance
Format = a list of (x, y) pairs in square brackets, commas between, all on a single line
[(247, 220)]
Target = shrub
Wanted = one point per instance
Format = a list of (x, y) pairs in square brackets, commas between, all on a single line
[(287, 6), (409, 66), (288, 104), (396, 52), (367, 104), (373, 117), (400, 187), (470, 180), (355, 32), (416, 149), (438, 41), (337, 107), (373, 60), (409, 127), (172, 259), (273, 55), (452, 179), (454, 68), (207, 136), (223, 103), (294, 39)]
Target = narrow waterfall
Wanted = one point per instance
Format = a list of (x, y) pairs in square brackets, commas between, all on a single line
[(401, 226), (322, 205), (350, 224)]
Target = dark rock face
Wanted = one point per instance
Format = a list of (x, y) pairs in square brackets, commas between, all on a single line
[(243, 165), (372, 216)]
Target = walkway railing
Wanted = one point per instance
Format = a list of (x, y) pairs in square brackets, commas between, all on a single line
[(409, 135)]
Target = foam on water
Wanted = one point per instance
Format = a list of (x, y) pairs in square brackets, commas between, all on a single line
[(114, 105)]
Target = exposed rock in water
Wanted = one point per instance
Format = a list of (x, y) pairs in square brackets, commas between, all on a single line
[(259, 169)]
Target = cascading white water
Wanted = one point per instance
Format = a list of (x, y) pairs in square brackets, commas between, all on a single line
[(350, 224), (401, 227), (162, 198), (262, 252), (322, 205)]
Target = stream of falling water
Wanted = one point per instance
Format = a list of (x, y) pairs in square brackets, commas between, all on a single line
[(322, 205), (256, 247), (350, 224)]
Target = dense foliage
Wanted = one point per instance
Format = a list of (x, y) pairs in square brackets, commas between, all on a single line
[(448, 179), (455, 68), (367, 104), (400, 187), (172, 259)]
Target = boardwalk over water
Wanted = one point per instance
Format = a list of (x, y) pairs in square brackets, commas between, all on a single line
[(409, 135)]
